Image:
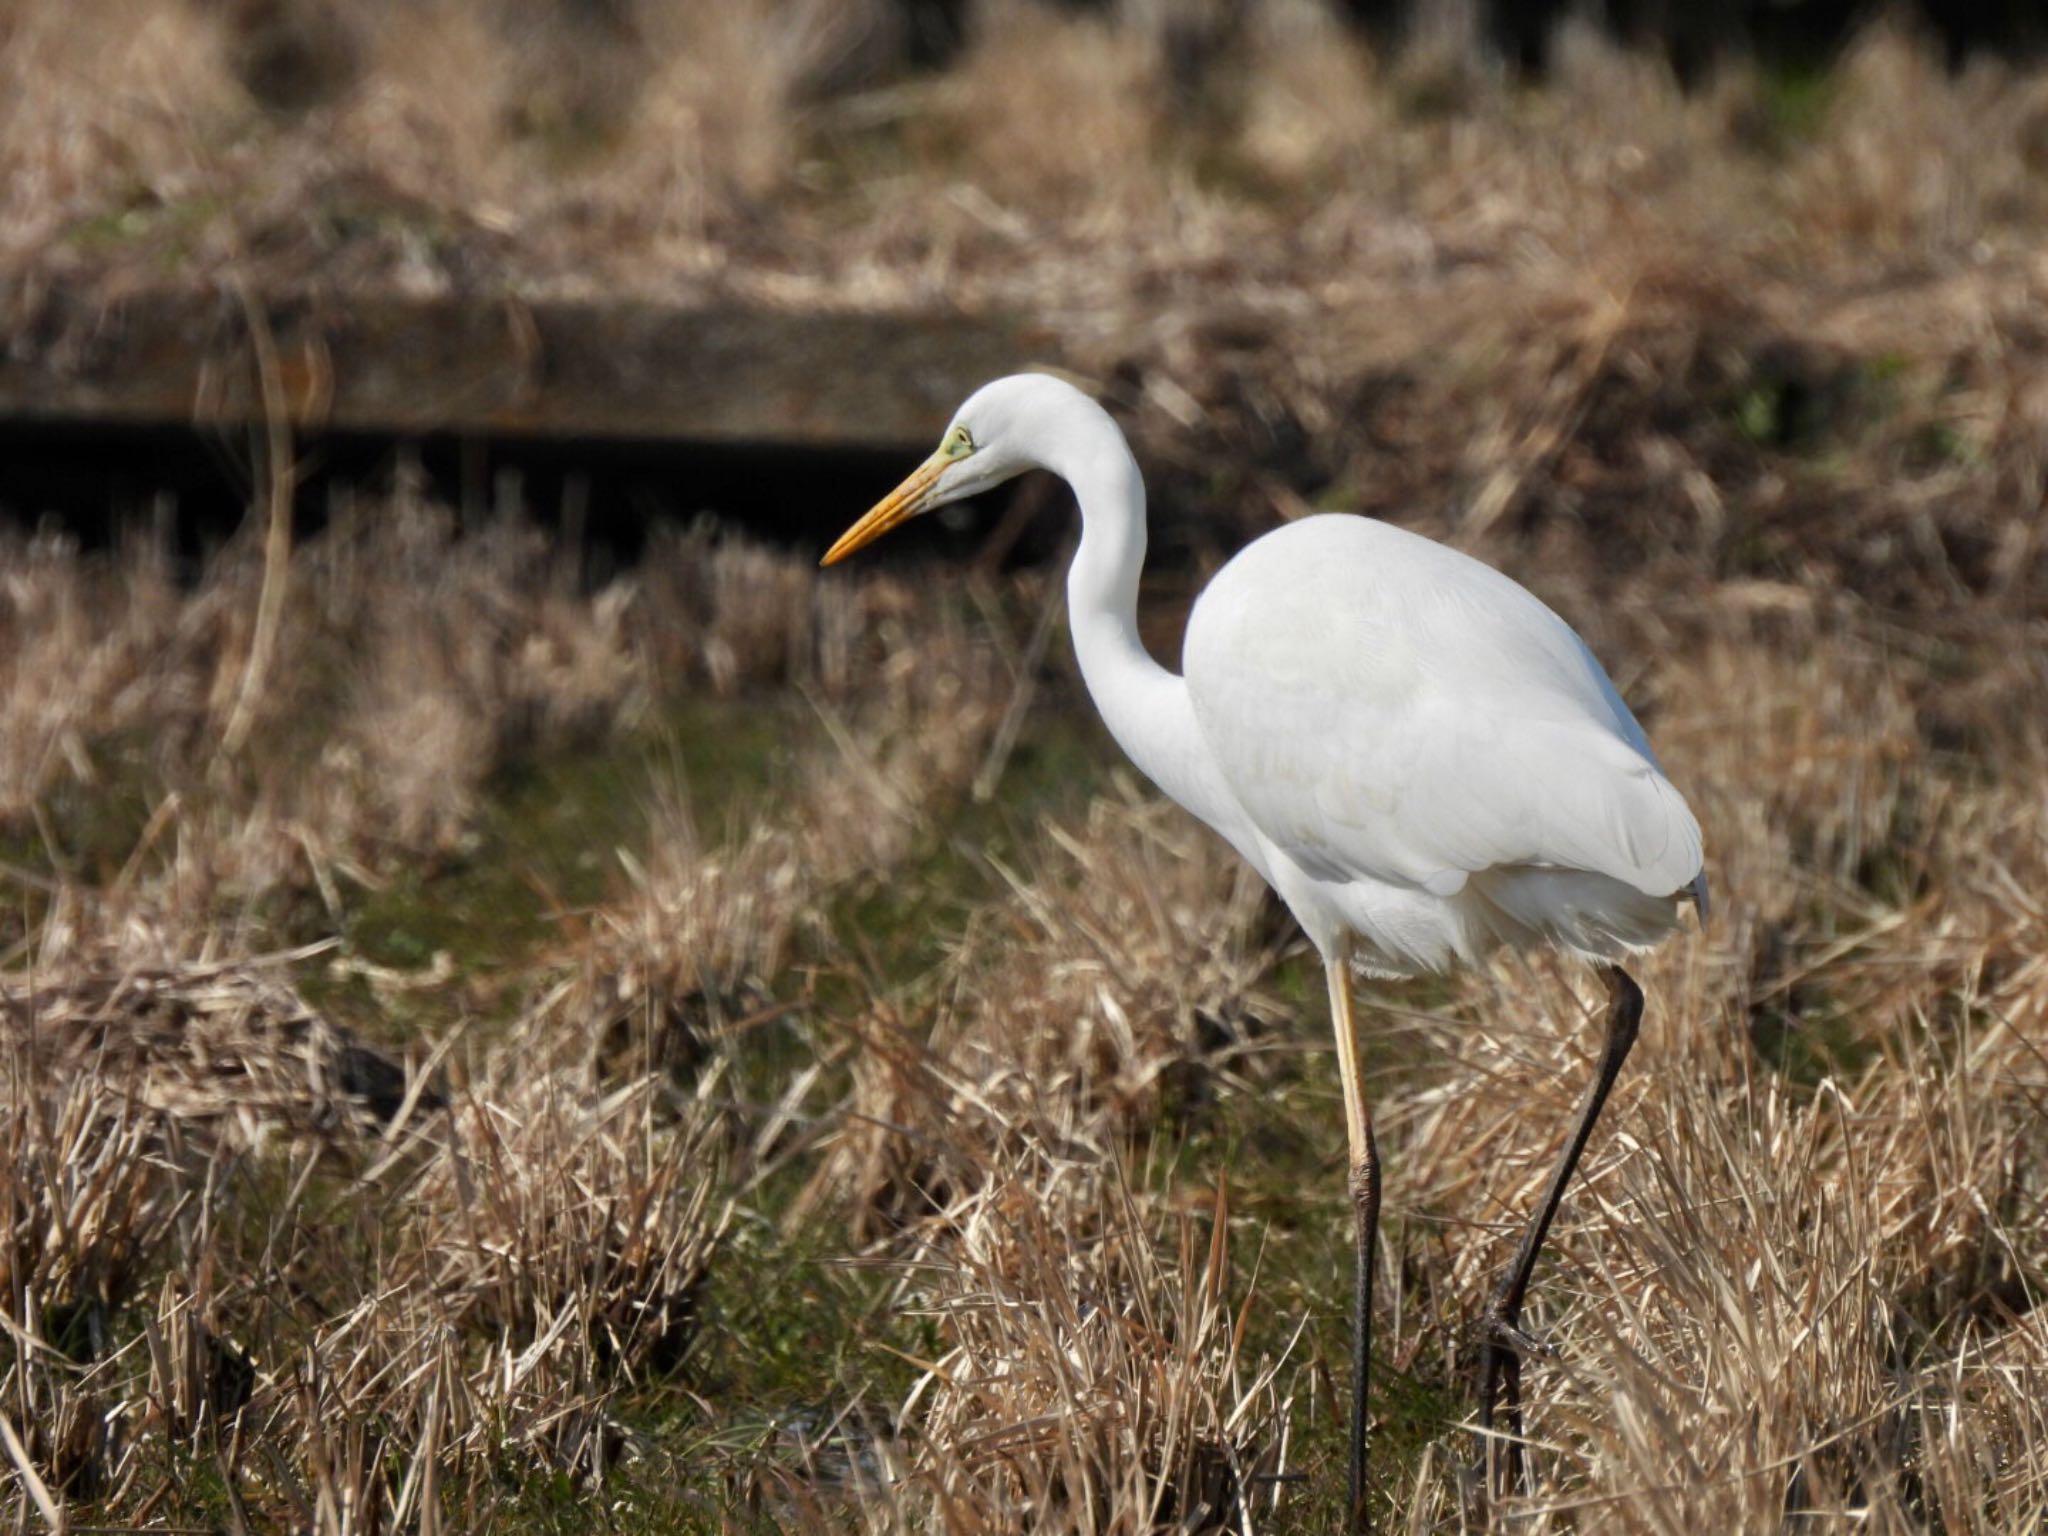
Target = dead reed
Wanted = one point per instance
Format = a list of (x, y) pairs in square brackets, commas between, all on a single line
[(1800, 1275), (805, 1142)]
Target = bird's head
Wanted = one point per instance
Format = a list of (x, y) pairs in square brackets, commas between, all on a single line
[(1004, 429)]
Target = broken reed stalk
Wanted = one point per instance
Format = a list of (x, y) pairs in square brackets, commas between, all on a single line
[(277, 473)]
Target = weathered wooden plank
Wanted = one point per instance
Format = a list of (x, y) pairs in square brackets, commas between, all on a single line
[(596, 369)]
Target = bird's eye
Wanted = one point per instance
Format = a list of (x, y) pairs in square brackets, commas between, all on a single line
[(959, 443)]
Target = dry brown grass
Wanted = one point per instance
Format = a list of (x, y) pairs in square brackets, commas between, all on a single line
[(1090, 1377), (847, 1153), (1800, 1274), (201, 1272)]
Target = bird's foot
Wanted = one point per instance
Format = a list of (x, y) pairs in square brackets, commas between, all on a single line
[(1500, 1331)]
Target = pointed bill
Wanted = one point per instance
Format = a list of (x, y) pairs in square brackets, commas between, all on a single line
[(900, 505)]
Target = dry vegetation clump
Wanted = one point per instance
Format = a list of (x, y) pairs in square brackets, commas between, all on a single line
[(574, 1228), (76, 664), (697, 943), (1794, 1280), (740, 614), (1106, 994), (692, 950), (909, 750), (726, 614), (991, 118), (409, 663), (414, 660), (1088, 1369), (225, 1049), (240, 1241), (1918, 161), (1800, 1275), (1092, 1377), (483, 649), (399, 146), (135, 1095), (97, 106), (1136, 943), (1775, 1309), (808, 1109)]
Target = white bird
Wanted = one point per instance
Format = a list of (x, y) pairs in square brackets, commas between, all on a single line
[(1423, 760)]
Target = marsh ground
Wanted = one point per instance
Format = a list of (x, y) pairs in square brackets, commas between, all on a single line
[(734, 1048)]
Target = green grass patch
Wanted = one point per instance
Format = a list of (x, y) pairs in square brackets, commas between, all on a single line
[(544, 846)]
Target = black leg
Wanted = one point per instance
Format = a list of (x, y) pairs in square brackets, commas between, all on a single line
[(1501, 1373), (1365, 1200)]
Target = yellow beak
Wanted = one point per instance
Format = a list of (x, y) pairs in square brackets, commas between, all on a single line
[(900, 505)]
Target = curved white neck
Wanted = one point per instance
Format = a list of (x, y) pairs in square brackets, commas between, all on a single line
[(1145, 706), (1102, 582)]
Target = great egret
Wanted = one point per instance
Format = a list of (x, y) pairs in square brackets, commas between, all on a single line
[(1421, 758)]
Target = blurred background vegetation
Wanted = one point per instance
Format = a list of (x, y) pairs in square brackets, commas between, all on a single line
[(523, 1002)]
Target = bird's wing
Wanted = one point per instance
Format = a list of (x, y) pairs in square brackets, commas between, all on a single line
[(1383, 706)]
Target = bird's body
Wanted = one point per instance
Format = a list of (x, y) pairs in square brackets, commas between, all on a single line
[(1426, 758), (1420, 758)]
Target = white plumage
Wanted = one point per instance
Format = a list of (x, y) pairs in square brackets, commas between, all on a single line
[(1422, 759), (1428, 756)]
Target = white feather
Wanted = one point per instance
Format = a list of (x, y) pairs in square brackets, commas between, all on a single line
[(1420, 757), (1388, 712)]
